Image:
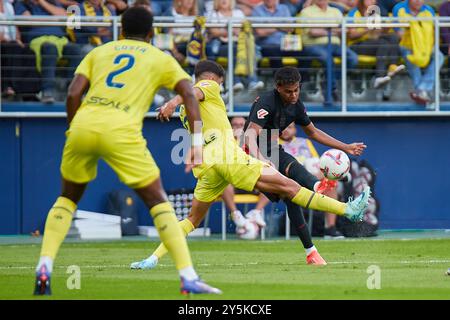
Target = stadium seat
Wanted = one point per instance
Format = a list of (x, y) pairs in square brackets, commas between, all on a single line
[(223, 61), (363, 61), (286, 61), (263, 63), (366, 61)]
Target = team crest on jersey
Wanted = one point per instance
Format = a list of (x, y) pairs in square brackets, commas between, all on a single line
[(262, 113)]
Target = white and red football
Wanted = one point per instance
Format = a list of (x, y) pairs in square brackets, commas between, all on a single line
[(334, 164)]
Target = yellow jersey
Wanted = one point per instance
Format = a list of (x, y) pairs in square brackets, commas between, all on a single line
[(212, 112), (219, 142), (315, 12), (356, 17), (402, 10), (124, 76)]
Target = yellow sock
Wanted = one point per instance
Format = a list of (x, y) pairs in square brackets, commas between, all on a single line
[(308, 199), (186, 226), (171, 235), (57, 225)]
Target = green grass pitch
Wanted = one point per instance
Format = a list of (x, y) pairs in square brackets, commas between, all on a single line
[(409, 269)]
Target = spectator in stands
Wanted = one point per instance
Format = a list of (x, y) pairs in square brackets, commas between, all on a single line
[(375, 42), (157, 8), (269, 39), (144, 3), (218, 37), (116, 6), (166, 43), (247, 6), (305, 153), (182, 10), (68, 3), (386, 6), (91, 37), (49, 44), (11, 47), (218, 40), (417, 48), (271, 9), (294, 6), (343, 5), (444, 11), (315, 40), (205, 7)]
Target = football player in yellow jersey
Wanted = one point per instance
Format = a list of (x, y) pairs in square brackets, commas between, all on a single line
[(224, 163), (119, 80)]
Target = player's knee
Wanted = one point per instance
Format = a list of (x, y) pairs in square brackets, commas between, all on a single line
[(152, 194), (73, 191), (289, 188)]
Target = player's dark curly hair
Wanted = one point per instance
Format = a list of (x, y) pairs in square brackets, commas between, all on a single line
[(208, 66), (287, 75), (137, 22)]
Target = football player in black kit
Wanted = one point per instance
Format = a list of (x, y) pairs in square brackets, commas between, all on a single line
[(270, 114)]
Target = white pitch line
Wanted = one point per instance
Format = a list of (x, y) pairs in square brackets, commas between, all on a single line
[(123, 266), (115, 266), (391, 262)]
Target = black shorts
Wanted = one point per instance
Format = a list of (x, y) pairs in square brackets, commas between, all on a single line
[(302, 176)]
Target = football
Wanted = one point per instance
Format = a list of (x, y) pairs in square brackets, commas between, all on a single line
[(312, 165), (334, 164), (249, 231)]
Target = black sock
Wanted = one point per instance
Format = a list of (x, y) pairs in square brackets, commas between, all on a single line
[(298, 173), (301, 227)]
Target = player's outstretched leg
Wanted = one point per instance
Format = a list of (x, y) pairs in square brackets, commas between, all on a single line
[(57, 225), (173, 239), (196, 215), (272, 181), (152, 261)]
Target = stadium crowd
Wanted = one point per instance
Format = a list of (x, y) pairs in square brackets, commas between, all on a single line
[(43, 58)]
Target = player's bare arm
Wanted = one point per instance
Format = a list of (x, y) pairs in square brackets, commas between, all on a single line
[(166, 111), (250, 136), (356, 148), (78, 86), (185, 90)]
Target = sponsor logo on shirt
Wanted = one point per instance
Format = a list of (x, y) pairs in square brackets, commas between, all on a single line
[(262, 113), (106, 102)]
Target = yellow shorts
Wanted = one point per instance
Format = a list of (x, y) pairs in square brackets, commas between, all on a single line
[(126, 154), (242, 171)]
